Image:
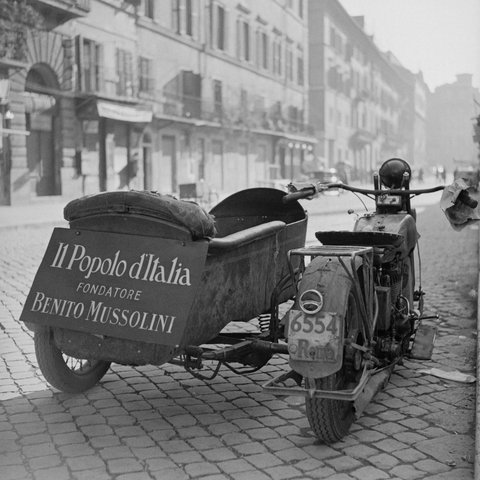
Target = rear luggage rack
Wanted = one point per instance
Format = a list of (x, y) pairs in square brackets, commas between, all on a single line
[(363, 291)]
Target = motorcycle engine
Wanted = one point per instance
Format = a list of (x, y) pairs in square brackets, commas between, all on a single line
[(394, 274), (394, 325)]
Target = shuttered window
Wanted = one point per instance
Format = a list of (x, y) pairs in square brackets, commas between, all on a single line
[(145, 76), (124, 69), (90, 65)]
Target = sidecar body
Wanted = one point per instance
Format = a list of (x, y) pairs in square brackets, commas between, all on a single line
[(139, 277)]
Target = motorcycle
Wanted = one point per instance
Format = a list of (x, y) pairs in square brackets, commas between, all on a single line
[(357, 313), (143, 278)]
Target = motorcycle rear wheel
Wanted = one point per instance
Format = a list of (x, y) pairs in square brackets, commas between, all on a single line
[(329, 419), (67, 374)]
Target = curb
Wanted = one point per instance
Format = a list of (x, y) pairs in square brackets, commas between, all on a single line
[(477, 391), (20, 226)]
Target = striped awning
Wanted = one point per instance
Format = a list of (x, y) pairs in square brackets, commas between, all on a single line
[(124, 113), (38, 102)]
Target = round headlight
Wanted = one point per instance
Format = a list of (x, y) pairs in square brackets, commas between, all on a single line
[(392, 172)]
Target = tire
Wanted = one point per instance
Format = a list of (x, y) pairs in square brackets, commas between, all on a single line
[(67, 374), (329, 419)]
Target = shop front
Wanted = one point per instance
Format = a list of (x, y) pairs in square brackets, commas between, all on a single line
[(110, 145)]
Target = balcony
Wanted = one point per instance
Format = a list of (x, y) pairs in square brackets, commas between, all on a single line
[(60, 11), (14, 45), (228, 116), (360, 138)]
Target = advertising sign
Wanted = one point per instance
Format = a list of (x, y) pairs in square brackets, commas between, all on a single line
[(126, 286)]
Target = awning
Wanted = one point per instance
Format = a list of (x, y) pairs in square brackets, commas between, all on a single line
[(294, 137), (11, 131), (4, 89), (38, 102), (123, 113)]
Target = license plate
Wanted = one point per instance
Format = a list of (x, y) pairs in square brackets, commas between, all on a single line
[(315, 338)]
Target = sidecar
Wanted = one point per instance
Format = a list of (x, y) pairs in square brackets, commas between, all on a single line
[(142, 278)]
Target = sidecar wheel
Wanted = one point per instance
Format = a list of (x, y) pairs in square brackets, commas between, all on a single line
[(331, 420), (68, 374)]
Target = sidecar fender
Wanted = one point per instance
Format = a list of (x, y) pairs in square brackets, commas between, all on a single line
[(35, 328), (315, 342)]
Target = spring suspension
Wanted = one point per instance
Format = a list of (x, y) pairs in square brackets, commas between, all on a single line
[(264, 322)]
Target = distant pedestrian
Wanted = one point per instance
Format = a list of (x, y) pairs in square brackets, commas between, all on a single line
[(420, 175)]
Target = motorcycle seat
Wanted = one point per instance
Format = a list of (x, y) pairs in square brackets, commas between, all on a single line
[(362, 239)]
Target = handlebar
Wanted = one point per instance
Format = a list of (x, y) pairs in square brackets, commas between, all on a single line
[(310, 191)]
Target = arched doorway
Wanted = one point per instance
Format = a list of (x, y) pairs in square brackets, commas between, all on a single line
[(42, 121)]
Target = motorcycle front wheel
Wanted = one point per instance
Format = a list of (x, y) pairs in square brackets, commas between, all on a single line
[(329, 419), (67, 374)]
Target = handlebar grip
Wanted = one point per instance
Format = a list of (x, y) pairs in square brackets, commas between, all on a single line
[(465, 198), (297, 195)]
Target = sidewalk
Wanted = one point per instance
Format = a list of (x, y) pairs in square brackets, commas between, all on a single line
[(37, 214), (49, 211)]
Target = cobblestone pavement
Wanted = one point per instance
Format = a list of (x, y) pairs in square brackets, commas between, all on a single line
[(161, 423)]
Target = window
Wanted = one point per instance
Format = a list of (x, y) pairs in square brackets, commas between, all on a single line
[(217, 97), (300, 70), (184, 17), (218, 25), (289, 64), (332, 37), (124, 72), (277, 57), (263, 50), (145, 74), (90, 60), (300, 8), (150, 9), (243, 40)]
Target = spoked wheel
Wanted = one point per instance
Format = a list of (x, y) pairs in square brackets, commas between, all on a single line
[(68, 374), (329, 419)]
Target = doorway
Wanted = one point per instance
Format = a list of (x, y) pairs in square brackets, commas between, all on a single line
[(163, 170), (41, 115)]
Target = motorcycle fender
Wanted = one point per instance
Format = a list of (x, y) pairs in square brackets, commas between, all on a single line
[(316, 342)]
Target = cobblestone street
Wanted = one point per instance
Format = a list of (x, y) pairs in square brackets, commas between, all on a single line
[(161, 423)]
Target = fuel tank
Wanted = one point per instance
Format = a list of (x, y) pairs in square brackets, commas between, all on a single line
[(398, 223)]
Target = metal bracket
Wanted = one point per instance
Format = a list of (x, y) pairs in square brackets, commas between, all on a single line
[(272, 386)]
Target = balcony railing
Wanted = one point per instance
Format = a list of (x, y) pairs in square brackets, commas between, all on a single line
[(105, 81), (229, 116), (73, 8)]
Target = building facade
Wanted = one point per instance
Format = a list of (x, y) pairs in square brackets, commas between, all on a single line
[(112, 94), (451, 110), (413, 114), (358, 99)]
